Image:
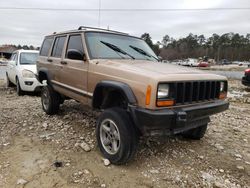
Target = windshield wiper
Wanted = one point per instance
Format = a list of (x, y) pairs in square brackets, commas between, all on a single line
[(117, 49), (141, 51)]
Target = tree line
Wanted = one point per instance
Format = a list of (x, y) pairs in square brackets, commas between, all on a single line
[(17, 47), (230, 46), (26, 47)]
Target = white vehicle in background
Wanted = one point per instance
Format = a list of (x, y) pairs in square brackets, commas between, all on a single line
[(177, 62), (21, 70), (191, 62), (244, 63)]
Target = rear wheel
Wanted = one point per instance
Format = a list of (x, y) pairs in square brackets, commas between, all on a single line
[(116, 135), (50, 100), (19, 90), (196, 133)]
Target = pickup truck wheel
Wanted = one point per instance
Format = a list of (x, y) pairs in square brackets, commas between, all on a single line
[(116, 135), (50, 100), (196, 133), (19, 90)]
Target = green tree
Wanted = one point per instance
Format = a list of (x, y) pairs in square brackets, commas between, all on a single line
[(147, 38)]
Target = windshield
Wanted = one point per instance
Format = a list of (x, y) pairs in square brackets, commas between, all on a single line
[(113, 46), (28, 58)]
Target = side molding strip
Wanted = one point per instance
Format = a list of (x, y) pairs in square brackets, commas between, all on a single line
[(72, 89)]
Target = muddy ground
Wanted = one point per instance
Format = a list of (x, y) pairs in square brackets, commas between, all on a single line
[(31, 142)]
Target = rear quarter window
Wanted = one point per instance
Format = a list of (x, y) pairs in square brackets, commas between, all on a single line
[(46, 46)]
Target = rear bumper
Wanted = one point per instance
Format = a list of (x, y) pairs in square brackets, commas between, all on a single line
[(245, 81), (173, 121)]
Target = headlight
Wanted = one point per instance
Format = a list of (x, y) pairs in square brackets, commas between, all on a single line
[(28, 74), (163, 91), (222, 86)]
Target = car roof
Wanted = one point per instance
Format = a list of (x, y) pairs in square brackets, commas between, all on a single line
[(87, 29), (28, 51)]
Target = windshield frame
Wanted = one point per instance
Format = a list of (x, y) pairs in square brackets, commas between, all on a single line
[(20, 58), (118, 34)]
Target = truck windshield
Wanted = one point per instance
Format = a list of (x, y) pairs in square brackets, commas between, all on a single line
[(28, 58), (115, 46)]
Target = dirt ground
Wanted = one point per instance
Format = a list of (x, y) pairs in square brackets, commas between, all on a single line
[(31, 143)]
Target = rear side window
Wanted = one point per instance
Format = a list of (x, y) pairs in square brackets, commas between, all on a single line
[(46, 46), (58, 47), (75, 43)]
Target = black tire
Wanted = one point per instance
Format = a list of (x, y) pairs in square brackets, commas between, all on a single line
[(19, 90), (127, 132), (8, 82), (50, 100), (62, 100), (196, 133)]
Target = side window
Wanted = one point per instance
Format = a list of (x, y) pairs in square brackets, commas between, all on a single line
[(13, 57), (58, 47), (75, 45), (46, 46)]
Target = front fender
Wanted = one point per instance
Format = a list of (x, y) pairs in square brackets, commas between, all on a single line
[(119, 86)]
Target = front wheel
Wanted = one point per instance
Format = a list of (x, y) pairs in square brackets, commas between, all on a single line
[(116, 135), (196, 133), (50, 100), (19, 90)]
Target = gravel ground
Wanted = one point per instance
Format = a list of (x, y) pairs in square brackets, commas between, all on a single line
[(37, 150)]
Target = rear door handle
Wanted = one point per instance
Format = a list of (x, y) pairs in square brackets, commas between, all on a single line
[(49, 60), (64, 62)]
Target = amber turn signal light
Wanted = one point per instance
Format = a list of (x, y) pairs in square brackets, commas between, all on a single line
[(165, 103), (148, 95), (223, 95)]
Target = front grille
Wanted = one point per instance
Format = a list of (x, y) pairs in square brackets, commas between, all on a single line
[(195, 91)]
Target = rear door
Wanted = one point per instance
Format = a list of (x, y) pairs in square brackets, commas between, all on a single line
[(43, 59), (74, 71), (55, 58)]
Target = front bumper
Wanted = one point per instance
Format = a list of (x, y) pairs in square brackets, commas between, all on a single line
[(174, 121), (30, 84), (245, 81)]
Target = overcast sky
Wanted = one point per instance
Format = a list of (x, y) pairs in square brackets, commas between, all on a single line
[(30, 26)]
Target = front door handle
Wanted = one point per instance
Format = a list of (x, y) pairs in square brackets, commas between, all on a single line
[(49, 60), (64, 62)]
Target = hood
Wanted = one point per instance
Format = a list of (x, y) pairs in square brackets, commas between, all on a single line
[(158, 70), (31, 68)]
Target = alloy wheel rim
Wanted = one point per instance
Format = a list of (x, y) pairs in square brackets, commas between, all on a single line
[(45, 100), (110, 136)]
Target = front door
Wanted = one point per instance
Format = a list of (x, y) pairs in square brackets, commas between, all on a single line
[(74, 71)]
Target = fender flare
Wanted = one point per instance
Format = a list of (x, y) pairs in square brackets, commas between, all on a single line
[(125, 90), (43, 71)]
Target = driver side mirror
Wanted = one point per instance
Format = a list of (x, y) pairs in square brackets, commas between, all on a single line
[(76, 55)]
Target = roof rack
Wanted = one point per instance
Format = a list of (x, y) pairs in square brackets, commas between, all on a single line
[(100, 29)]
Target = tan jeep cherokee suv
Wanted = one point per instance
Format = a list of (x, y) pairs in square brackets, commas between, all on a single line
[(120, 75)]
